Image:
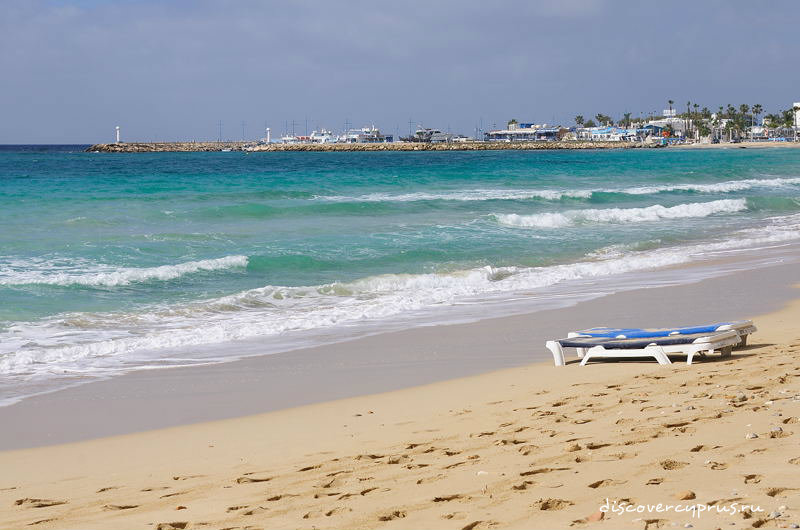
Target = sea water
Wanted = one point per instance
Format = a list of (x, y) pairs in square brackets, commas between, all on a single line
[(118, 262)]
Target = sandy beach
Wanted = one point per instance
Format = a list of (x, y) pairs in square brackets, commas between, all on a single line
[(532, 446)]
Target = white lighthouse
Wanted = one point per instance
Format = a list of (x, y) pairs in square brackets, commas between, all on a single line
[(117, 129), (267, 134)]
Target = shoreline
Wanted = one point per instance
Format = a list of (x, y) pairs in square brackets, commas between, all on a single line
[(154, 147), (249, 147), (151, 399), (738, 145), (533, 446)]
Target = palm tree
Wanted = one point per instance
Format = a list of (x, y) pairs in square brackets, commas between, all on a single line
[(757, 110), (579, 121), (670, 105), (627, 118)]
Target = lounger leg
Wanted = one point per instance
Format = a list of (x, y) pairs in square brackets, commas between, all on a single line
[(743, 342), (659, 354), (726, 351), (689, 357), (557, 351), (580, 351), (589, 354)]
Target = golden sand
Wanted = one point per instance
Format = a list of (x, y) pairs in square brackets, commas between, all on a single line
[(532, 447)]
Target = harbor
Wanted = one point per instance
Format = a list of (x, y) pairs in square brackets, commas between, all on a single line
[(172, 147)]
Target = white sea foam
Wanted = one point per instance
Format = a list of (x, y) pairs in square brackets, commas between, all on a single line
[(100, 275), (110, 342), (717, 187), (464, 195), (656, 212), (556, 195)]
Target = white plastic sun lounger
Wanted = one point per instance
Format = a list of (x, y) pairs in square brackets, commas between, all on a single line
[(656, 347), (743, 327)]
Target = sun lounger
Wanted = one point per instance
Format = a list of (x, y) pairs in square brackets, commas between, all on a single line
[(742, 327), (656, 347)]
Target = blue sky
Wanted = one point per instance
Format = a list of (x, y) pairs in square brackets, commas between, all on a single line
[(72, 70)]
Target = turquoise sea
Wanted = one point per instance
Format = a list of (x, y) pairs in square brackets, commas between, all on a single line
[(118, 262)]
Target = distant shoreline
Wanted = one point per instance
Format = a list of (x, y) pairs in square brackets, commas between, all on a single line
[(739, 145), (152, 147)]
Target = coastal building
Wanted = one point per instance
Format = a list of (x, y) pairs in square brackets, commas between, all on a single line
[(616, 134), (526, 132)]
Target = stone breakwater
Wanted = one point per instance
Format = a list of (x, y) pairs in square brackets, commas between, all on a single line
[(396, 146), (166, 147)]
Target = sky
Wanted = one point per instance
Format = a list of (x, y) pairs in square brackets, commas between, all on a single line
[(70, 71)]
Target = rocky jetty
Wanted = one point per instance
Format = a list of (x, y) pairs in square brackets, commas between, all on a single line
[(166, 147), (396, 146)]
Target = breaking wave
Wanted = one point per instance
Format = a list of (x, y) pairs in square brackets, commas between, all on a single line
[(557, 195), (108, 276), (99, 343), (656, 212)]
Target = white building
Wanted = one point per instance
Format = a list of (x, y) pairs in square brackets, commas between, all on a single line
[(796, 107)]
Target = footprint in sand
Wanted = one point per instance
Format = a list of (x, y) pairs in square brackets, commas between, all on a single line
[(173, 494), (37, 503), (113, 507), (654, 482), (180, 525), (752, 479), (547, 505), (774, 492), (448, 498), (671, 465), (606, 482), (397, 514), (248, 480), (542, 470), (480, 525), (426, 480)]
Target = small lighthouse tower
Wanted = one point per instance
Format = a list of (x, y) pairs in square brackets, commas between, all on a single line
[(117, 129), (267, 134)]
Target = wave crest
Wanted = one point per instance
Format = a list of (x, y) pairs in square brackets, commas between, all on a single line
[(557, 195), (656, 212), (108, 276)]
